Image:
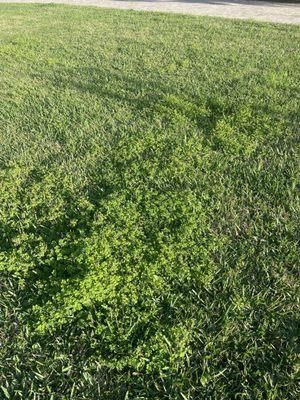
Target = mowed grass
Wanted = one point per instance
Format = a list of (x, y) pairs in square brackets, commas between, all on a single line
[(149, 208)]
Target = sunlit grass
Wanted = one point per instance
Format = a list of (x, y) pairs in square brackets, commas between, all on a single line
[(148, 206)]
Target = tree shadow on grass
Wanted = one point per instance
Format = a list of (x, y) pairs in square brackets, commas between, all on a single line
[(144, 95), (149, 97)]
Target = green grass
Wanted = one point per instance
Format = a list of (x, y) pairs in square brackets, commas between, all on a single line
[(149, 209)]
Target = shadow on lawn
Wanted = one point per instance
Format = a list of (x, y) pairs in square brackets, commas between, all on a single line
[(142, 96), (151, 97)]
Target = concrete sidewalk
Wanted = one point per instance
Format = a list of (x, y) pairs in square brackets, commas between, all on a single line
[(243, 9)]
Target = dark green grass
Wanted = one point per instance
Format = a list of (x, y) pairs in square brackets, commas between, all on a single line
[(149, 216)]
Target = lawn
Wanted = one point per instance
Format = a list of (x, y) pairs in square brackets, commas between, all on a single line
[(149, 206)]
